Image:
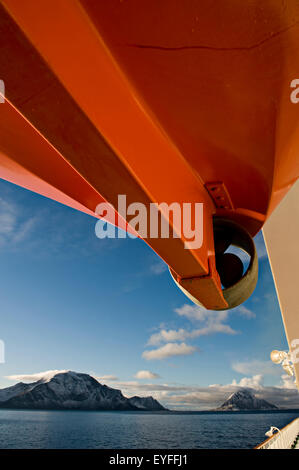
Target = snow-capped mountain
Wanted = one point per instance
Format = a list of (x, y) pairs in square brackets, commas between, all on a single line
[(245, 400), (71, 390)]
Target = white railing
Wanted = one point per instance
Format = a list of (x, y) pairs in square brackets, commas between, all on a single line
[(283, 438)]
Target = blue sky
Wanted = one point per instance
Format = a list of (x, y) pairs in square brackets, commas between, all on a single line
[(70, 301)]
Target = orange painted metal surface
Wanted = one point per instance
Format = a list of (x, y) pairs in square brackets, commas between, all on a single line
[(155, 100)]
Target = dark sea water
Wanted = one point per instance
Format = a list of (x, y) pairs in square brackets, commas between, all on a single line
[(24, 429)]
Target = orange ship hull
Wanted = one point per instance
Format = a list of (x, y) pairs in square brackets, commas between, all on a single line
[(160, 101)]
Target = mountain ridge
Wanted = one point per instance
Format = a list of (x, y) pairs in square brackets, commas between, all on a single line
[(244, 399), (73, 391)]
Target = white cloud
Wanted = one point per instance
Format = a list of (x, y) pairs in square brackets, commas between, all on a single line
[(256, 367), (244, 311), (167, 336), (158, 268), (211, 317), (288, 382), (24, 229), (194, 312), (169, 350), (8, 217), (255, 382), (212, 322), (146, 374), (195, 397), (47, 375), (13, 227), (182, 334), (105, 378)]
